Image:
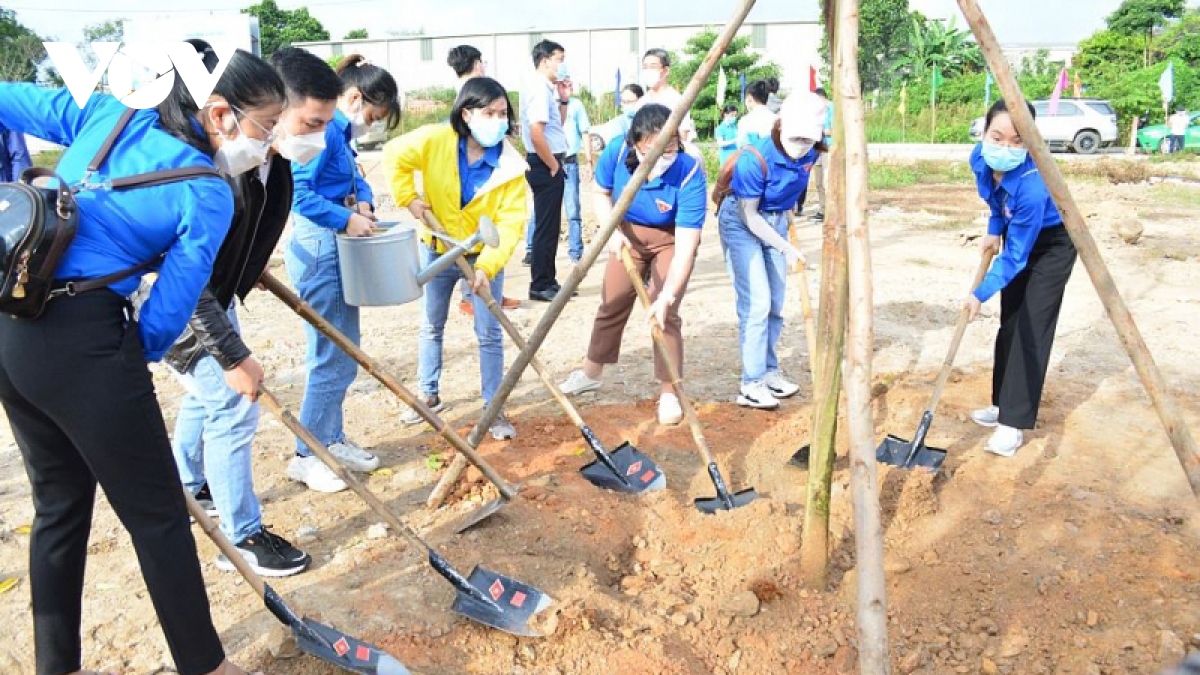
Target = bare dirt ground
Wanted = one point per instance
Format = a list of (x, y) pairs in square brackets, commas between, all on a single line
[(1078, 556)]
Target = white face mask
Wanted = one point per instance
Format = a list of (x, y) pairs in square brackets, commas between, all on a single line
[(796, 148), (241, 154), (358, 120), (650, 77), (664, 163), (303, 148)]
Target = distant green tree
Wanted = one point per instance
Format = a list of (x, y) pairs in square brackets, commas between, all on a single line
[(1140, 17), (20, 49), (1108, 49), (357, 34), (938, 43), (737, 60), (282, 27), (884, 32), (112, 30), (1182, 41)]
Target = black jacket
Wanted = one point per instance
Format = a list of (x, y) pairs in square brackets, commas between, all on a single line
[(260, 214)]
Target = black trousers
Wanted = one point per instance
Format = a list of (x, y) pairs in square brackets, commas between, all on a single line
[(1029, 308), (547, 207), (81, 403)]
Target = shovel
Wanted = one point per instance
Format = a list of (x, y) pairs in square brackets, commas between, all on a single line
[(289, 298), (486, 596), (800, 459), (915, 454), (724, 500), (626, 469), (324, 642)]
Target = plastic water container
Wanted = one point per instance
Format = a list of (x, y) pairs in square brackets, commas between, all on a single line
[(380, 270)]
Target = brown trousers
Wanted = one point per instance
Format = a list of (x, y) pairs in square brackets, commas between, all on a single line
[(652, 250)]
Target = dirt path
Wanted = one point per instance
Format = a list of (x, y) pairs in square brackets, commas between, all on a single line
[(1077, 556)]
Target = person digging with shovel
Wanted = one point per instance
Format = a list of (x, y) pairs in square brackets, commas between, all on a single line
[(1034, 262)]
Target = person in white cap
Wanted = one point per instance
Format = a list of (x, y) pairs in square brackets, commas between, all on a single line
[(767, 180)]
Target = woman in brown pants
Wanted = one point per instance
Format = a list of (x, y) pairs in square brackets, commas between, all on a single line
[(662, 232)]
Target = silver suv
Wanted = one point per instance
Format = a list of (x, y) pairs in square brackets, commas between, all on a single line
[(1083, 125)]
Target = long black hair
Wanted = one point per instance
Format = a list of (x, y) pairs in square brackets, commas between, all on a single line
[(1001, 107), (648, 121), (248, 82), (377, 85), (479, 92)]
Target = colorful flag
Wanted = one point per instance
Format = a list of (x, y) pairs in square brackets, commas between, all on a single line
[(812, 78), (1166, 84), (934, 82), (1059, 86), (742, 80), (617, 92), (1078, 86), (987, 90), (722, 86)]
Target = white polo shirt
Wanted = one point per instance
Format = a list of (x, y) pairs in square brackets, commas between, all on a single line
[(539, 103), (670, 97)]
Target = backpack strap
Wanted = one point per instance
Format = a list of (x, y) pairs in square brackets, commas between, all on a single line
[(150, 179)]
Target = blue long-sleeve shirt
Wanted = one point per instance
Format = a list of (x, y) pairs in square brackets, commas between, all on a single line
[(323, 184), (186, 220), (14, 155), (779, 188), (1021, 208)]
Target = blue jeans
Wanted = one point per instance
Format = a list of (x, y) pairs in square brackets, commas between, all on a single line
[(759, 275), (574, 215), (214, 434), (312, 265), (435, 304)]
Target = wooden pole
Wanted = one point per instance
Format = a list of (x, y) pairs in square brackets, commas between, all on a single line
[(831, 337), (864, 481), (597, 247), (1089, 253)]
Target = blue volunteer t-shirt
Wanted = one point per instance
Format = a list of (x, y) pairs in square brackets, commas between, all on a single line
[(675, 198), (471, 177), (780, 187)]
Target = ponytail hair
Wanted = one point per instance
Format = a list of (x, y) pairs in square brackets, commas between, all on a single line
[(377, 85), (247, 83)]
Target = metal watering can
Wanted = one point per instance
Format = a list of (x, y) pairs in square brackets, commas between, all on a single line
[(385, 269)]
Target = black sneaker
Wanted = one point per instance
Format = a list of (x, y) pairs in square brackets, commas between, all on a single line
[(527, 260), (270, 555), (205, 500)]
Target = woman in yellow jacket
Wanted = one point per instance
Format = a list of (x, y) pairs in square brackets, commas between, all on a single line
[(469, 171)]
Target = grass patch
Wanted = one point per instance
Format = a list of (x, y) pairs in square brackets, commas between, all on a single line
[(1176, 195), (892, 175), (952, 225), (48, 159)]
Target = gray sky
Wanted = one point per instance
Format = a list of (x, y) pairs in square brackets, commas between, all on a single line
[(1015, 21)]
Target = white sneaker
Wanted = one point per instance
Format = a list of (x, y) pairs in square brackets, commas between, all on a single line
[(670, 412), (780, 386), (502, 429), (757, 395), (578, 383), (987, 417), (411, 416), (312, 472), (353, 457), (1005, 441)]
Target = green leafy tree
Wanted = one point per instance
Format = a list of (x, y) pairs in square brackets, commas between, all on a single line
[(1108, 49), (737, 60), (282, 27), (20, 49), (1182, 41), (106, 31), (938, 43), (884, 32), (1140, 17), (357, 34)]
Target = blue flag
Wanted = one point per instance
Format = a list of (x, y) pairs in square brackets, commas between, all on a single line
[(617, 92), (742, 81)]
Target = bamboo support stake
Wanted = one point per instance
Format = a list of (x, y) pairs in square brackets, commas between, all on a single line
[(597, 247), (831, 338), (864, 480), (1089, 253)]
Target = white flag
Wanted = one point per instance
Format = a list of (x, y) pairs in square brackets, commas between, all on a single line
[(722, 85), (1166, 84)]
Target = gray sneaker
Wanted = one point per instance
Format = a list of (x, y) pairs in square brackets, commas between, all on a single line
[(411, 416), (502, 429)]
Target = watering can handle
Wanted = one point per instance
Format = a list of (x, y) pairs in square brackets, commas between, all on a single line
[(960, 329)]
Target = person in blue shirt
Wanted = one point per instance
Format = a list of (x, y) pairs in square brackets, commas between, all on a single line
[(616, 128), (14, 155), (727, 133), (331, 196), (662, 232), (758, 121), (74, 382), (767, 180), (1034, 263)]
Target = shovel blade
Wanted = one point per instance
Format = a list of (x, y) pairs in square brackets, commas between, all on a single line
[(895, 451), (477, 516), (351, 654), (800, 458), (714, 504), (514, 602), (637, 473)]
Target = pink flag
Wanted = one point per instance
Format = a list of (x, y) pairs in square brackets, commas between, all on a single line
[(1058, 90)]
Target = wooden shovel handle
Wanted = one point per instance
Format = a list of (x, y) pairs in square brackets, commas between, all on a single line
[(210, 528), (660, 342), (960, 329), (810, 324)]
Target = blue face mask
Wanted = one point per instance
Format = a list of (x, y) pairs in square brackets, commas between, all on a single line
[(1003, 158), (488, 131)]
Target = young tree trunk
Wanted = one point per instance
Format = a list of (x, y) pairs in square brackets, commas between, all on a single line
[(827, 371), (868, 527)]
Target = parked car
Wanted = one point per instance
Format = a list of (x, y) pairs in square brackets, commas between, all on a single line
[(1157, 138), (1080, 124)]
